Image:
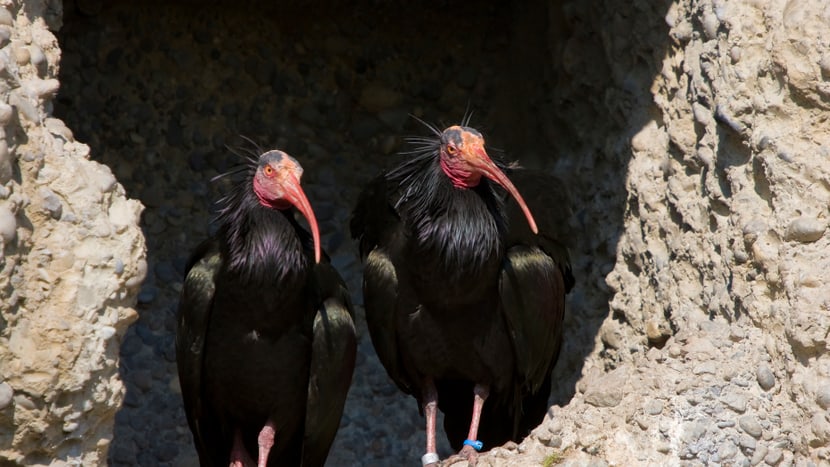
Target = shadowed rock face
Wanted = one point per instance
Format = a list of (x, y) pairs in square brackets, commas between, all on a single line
[(692, 135)]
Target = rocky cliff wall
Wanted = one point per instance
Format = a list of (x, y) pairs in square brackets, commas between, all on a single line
[(70, 266), (714, 350)]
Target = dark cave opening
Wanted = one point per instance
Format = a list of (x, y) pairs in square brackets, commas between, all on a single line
[(160, 90)]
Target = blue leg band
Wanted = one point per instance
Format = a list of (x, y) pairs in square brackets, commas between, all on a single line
[(477, 445)]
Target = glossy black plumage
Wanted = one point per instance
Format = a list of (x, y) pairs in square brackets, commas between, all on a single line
[(459, 290), (264, 334)]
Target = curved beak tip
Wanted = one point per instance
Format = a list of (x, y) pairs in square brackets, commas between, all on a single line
[(298, 198), (315, 235), (491, 171)]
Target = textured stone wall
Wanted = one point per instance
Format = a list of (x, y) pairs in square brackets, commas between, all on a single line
[(714, 351), (70, 265)]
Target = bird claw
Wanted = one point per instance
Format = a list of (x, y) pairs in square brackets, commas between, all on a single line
[(466, 454), (240, 457), (248, 462)]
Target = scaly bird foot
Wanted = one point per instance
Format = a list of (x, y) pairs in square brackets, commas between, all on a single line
[(239, 456), (242, 460), (247, 461), (466, 454)]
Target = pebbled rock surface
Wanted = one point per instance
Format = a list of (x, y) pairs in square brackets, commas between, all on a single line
[(71, 262)]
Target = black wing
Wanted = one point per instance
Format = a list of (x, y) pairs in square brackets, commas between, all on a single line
[(373, 217), (533, 302), (380, 232), (194, 311), (536, 275), (333, 354), (550, 203)]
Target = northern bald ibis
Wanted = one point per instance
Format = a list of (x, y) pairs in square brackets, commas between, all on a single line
[(266, 341), (465, 276)]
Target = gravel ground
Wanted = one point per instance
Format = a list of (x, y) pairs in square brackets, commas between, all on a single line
[(159, 91)]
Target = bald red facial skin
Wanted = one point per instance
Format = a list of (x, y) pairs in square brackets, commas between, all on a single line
[(464, 160), (277, 186)]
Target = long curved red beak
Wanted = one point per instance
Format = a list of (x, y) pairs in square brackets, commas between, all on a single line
[(488, 168), (295, 195)]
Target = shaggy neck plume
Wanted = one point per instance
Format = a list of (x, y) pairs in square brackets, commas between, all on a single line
[(263, 244), (460, 178)]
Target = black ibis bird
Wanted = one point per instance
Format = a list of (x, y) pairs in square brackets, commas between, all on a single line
[(266, 341), (464, 287)]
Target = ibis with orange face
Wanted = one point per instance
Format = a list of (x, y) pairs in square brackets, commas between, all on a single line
[(265, 343), (465, 277)]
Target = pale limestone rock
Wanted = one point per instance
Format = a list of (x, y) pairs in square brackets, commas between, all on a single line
[(728, 190), (67, 307)]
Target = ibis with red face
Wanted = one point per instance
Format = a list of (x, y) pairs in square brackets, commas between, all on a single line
[(265, 343), (465, 277)]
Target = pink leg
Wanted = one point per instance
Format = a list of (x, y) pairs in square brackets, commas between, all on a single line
[(430, 401), (239, 456), (481, 392), (266, 441)]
